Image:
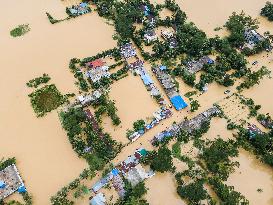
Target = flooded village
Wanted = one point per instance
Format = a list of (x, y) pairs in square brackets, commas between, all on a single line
[(136, 102)]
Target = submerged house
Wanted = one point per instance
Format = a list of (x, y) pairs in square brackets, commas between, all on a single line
[(138, 174), (168, 36), (253, 130), (86, 100), (99, 199), (169, 86), (77, 10), (10, 182), (97, 73), (150, 36), (195, 66), (252, 38), (127, 50)]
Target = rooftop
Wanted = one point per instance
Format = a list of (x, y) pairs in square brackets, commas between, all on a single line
[(11, 179)]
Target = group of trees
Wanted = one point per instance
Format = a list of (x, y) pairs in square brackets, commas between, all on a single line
[(217, 157), (267, 11), (38, 81), (105, 105), (61, 197), (254, 77), (82, 135), (262, 144), (134, 195), (237, 24), (194, 192), (226, 193), (160, 161)]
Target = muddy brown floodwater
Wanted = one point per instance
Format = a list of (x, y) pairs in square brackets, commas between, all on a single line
[(45, 157)]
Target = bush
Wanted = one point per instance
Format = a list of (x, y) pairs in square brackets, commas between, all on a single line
[(20, 30)]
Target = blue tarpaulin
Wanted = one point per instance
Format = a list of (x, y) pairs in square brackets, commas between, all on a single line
[(178, 102), (210, 61), (22, 189), (146, 79), (2, 185), (115, 172)]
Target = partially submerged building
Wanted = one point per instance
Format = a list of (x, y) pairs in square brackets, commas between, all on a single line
[(253, 130), (127, 51), (138, 174), (150, 36), (86, 100), (168, 36), (98, 199), (97, 73), (169, 86), (10, 182), (187, 125), (195, 66), (121, 168), (159, 115), (253, 38), (77, 10)]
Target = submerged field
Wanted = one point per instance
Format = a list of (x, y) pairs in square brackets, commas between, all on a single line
[(44, 155)]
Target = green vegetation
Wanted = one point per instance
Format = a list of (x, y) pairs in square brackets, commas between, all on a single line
[(107, 106), (162, 160), (82, 135), (260, 144), (53, 20), (139, 125), (236, 24), (46, 99), (134, 195), (226, 193), (253, 78), (194, 105), (20, 30), (38, 81), (79, 189), (217, 157), (267, 11), (194, 192), (191, 93), (6, 162)]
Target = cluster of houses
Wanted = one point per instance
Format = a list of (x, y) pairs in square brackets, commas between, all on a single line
[(97, 70), (195, 66), (169, 36), (159, 115), (137, 66), (77, 10), (10, 182), (253, 130), (169, 86), (252, 38), (86, 100), (148, 14), (129, 169), (188, 125)]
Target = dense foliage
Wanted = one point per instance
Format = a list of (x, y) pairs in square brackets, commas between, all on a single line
[(217, 157), (20, 30), (38, 81), (194, 192), (267, 11), (46, 99)]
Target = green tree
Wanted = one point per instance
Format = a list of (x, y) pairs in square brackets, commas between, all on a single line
[(162, 161)]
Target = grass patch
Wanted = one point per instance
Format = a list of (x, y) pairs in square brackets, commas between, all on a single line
[(46, 99), (20, 30)]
